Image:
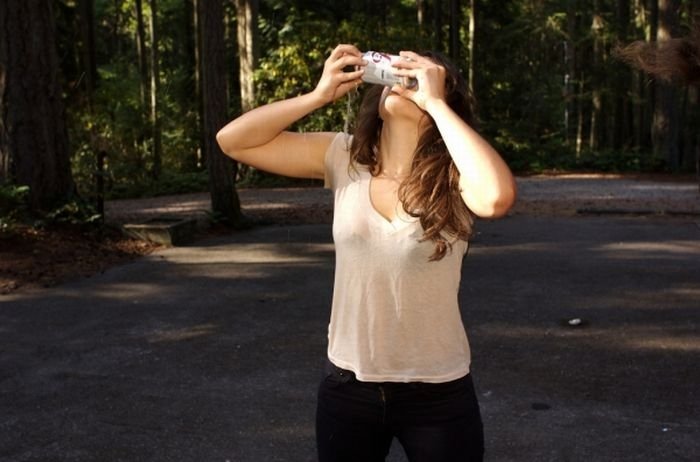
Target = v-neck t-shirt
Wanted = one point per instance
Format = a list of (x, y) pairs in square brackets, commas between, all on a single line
[(395, 315)]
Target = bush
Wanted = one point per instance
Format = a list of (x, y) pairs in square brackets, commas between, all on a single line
[(74, 213), (13, 206), (169, 183)]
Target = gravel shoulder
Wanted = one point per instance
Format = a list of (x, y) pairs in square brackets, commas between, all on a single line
[(560, 195)]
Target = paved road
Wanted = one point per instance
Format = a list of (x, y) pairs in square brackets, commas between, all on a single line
[(212, 352)]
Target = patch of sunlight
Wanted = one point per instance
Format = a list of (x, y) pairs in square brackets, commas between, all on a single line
[(270, 206), (178, 335), (637, 249), (693, 292), (663, 342), (133, 291), (253, 253), (674, 187), (621, 337)]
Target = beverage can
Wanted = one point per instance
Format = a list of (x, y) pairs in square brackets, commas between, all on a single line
[(380, 70)]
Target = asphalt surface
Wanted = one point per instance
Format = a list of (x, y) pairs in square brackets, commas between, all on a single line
[(584, 331)]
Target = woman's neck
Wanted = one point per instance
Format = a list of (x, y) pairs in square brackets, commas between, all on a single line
[(397, 143)]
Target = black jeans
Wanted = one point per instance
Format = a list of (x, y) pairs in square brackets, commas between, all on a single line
[(434, 422)]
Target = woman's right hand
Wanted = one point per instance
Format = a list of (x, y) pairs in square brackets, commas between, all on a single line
[(334, 82)]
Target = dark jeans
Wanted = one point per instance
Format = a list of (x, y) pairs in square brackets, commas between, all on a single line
[(434, 422)]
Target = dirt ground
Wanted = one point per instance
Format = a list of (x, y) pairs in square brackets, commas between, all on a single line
[(43, 258)]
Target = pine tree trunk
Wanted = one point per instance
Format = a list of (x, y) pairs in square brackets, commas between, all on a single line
[(197, 50), (665, 125), (191, 84), (596, 93), (455, 23), (141, 52), (569, 77), (471, 45), (157, 148), (420, 17), (34, 148), (87, 37), (222, 170), (650, 89), (437, 26), (621, 119), (247, 21)]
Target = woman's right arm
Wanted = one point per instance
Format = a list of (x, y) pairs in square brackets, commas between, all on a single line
[(258, 137)]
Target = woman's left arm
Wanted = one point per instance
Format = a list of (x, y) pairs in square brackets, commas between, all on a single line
[(487, 184)]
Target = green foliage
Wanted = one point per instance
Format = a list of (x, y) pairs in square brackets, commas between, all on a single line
[(297, 42), (520, 68), (169, 182), (13, 206), (74, 213), (554, 154), (116, 122), (14, 210)]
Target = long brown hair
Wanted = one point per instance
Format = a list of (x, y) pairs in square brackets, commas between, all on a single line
[(675, 60), (431, 191)]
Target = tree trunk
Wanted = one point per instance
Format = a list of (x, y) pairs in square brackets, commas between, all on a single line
[(692, 152), (650, 88), (437, 26), (141, 52), (471, 44), (87, 38), (623, 79), (596, 93), (570, 64), (157, 148), (34, 147), (197, 50), (247, 21), (222, 170), (420, 17), (665, 125), (89, 65), (579, 115), (455, 23)]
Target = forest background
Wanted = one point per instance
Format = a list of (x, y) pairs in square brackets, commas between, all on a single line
[(122, 98)]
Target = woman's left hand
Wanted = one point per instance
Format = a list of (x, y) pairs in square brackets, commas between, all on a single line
[(430, 77)]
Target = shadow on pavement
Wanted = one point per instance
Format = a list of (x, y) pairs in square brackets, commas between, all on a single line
[(213, 352)]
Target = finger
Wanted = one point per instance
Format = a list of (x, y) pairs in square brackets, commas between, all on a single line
[(404, 72), (411, 55), (353, 76), (406, 64), (348, 60), (345, 49), (346, 87)]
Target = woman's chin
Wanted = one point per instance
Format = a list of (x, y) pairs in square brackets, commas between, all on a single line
[(394, 105)]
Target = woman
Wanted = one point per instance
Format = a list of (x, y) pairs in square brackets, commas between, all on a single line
[(406, 186)]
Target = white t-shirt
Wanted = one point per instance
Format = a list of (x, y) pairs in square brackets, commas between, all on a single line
[(395, 314)]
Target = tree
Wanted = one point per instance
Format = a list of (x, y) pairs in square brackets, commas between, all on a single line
[(141, 52), (471, 43), (34, 148), (157, 149), (437, 26), (247, 23), (665, 125), (455, 23), (222, 169), (597, 82)]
